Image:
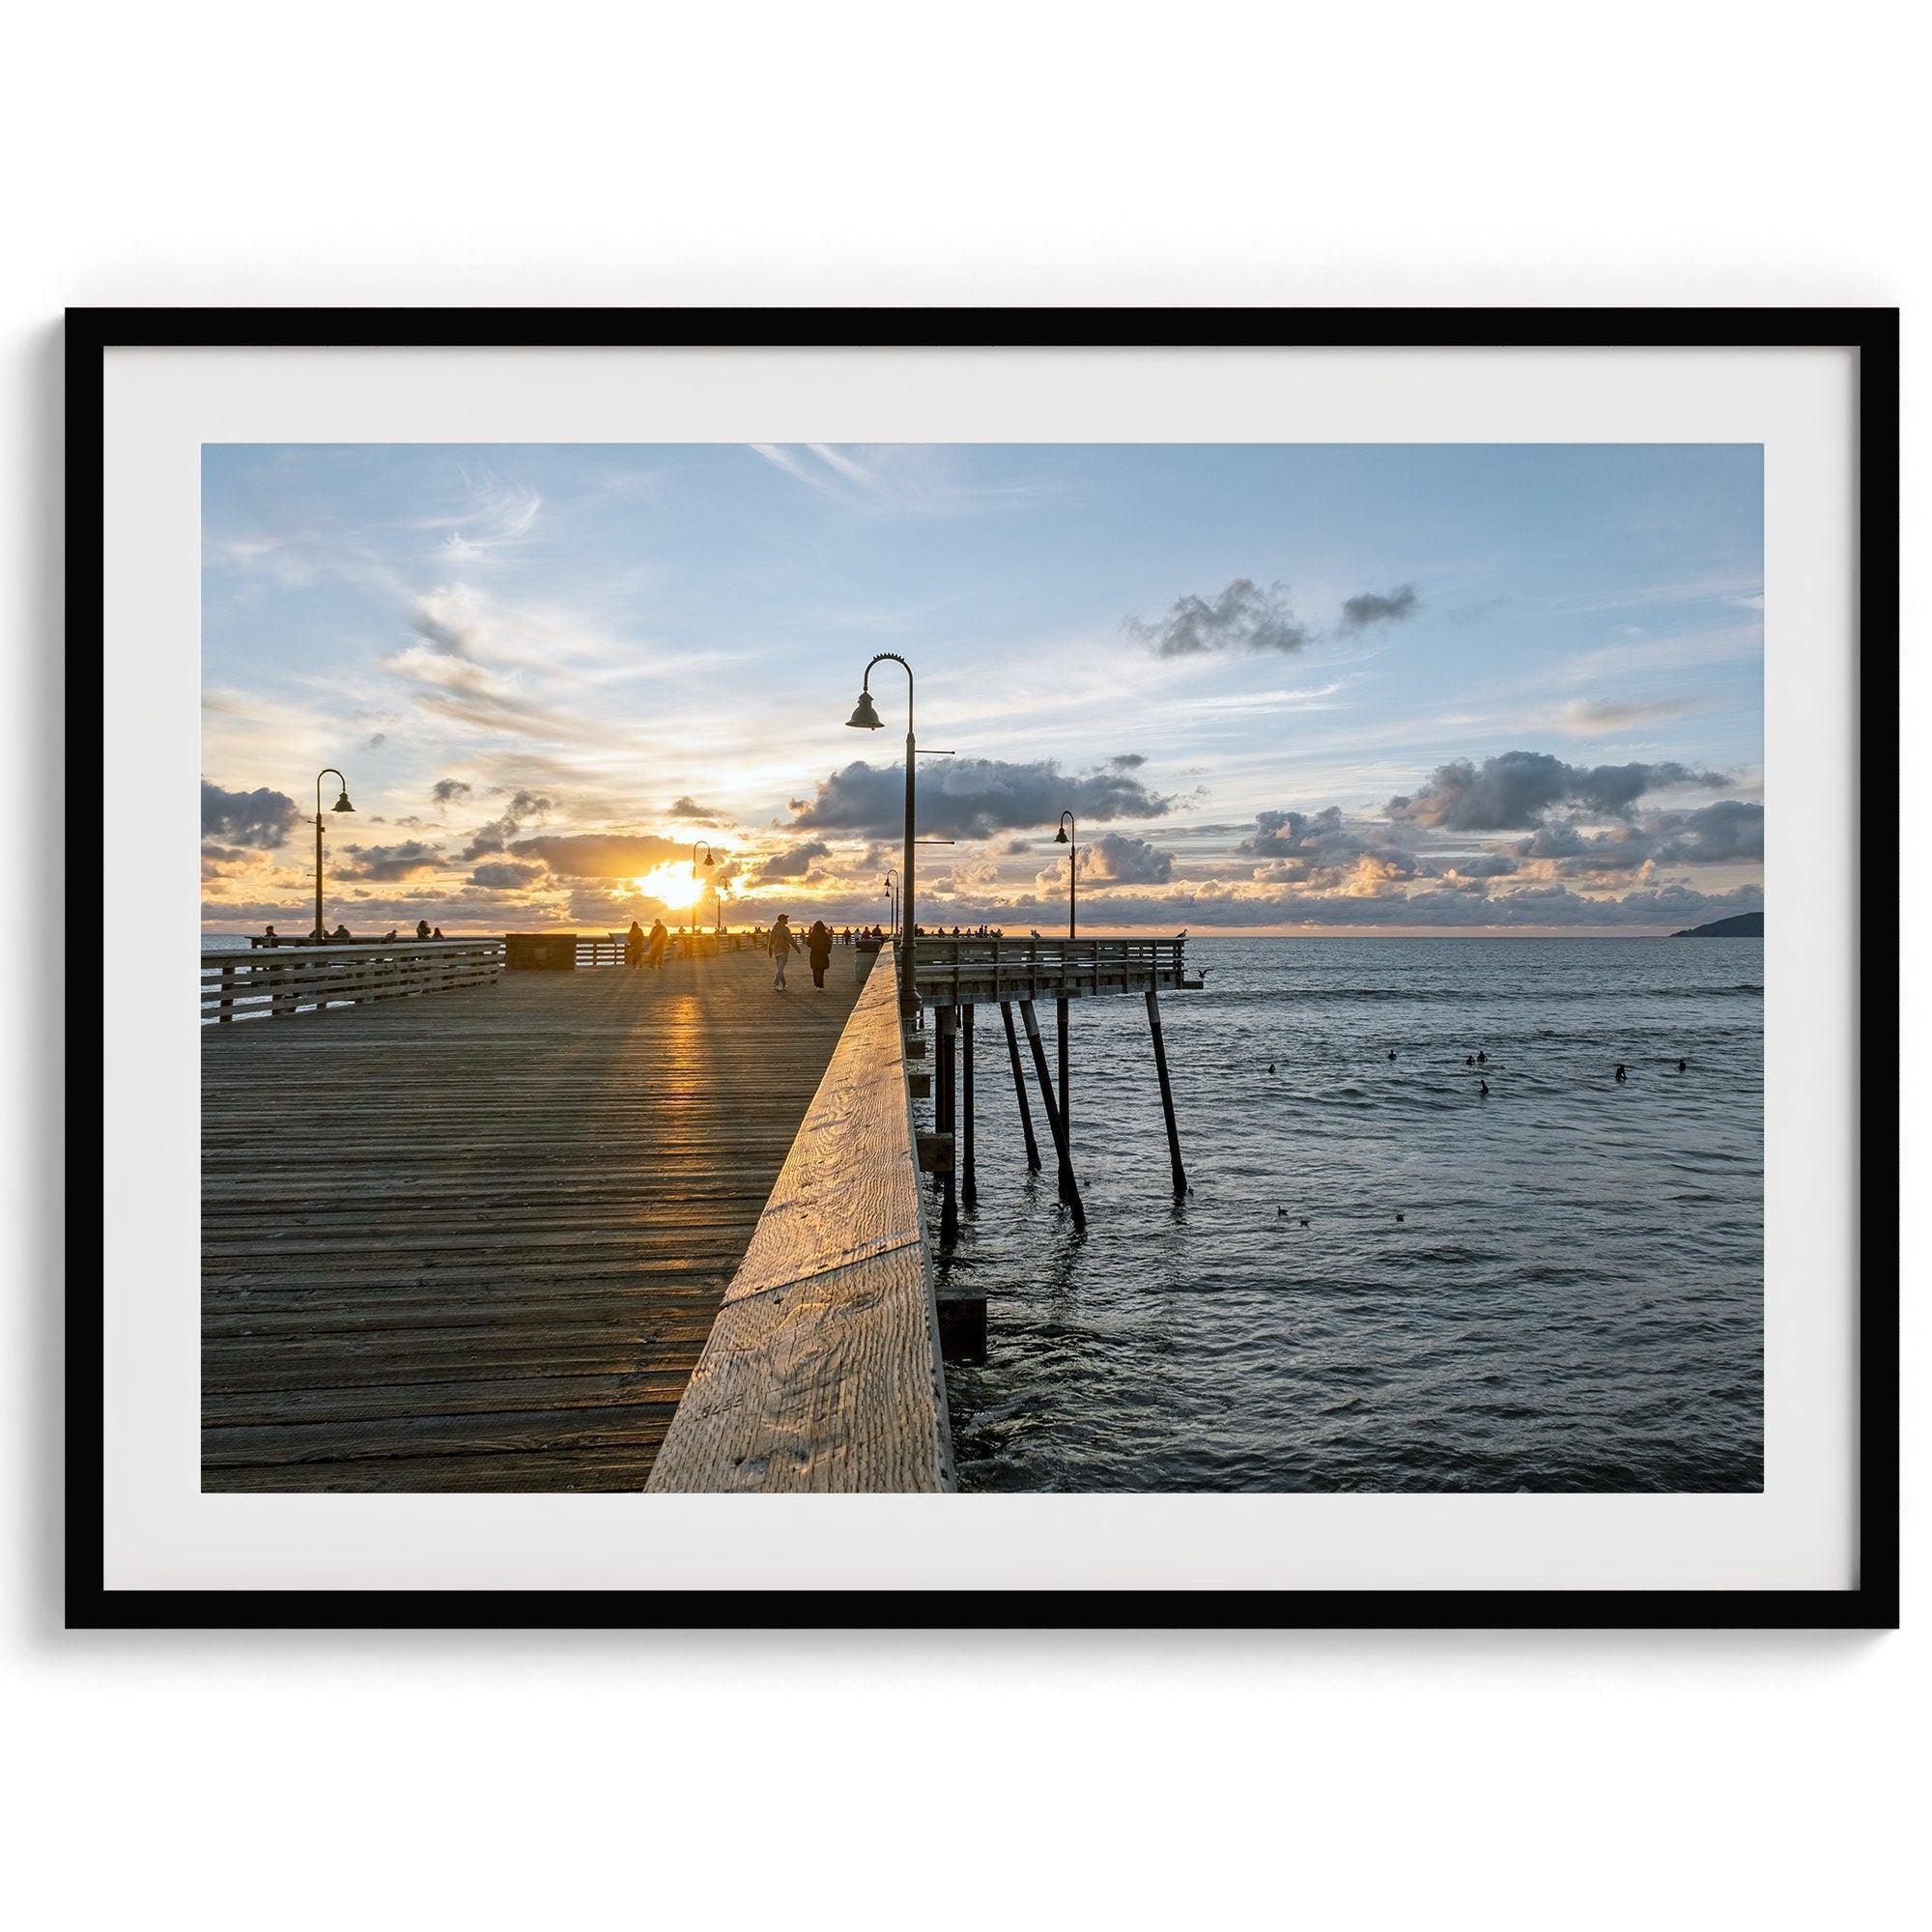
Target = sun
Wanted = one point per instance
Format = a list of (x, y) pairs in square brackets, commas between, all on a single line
[(671, 884)]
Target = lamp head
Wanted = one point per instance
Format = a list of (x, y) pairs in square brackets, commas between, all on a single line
[(1060, 837), (342, 804), (864, 717), (709, 861)]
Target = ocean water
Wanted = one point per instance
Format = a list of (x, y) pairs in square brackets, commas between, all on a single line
[(1573, 1300)]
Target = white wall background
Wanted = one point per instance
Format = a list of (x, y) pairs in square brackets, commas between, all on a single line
[(842, 153)]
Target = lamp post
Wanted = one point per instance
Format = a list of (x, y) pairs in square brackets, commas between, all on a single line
[(890, 885), (1068, 836), (341, 805), (690, 915), (865, 718)]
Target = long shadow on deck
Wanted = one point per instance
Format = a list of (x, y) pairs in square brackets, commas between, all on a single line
[(475, 1241)]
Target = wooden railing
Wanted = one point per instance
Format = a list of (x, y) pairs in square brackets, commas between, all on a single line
[(273, 981), (822, 1372), (965, 971), (607, 948)]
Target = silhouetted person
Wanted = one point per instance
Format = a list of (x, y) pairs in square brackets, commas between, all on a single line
[(1483, 1090), (1391, 1053), (1683, 1065), (818, 950), (340, 933), (1468, 1059), (269, 939), (438, 933), (633, 948), (1402, 1217), (1482, 1059), (654, 949), (780, 945), (422, 928), (1270, 1066), (1620, 1073)]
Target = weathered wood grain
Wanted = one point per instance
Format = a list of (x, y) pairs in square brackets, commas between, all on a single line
[(822, 1371), (477, 1241)]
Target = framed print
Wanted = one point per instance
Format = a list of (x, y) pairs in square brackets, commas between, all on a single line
[(1012, 967)]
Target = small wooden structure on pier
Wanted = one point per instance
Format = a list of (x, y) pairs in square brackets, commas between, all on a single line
[(953, 975)]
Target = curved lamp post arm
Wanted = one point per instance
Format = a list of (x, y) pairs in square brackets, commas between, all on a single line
[(1069, 830), (326, 772), (710, 859), (892, 656), (867, 716)]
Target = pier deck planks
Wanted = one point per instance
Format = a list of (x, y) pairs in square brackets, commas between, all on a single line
[(476, 1240), (822, 1372)]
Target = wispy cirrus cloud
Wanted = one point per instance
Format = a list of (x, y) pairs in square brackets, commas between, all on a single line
[(1597, 716)]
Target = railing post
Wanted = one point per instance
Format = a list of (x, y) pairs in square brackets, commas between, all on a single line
[(226, 1009)]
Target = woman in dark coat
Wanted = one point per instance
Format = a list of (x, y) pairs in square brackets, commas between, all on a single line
[(818, 950), (633, 945)]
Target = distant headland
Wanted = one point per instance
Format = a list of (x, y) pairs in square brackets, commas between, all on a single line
[(1743, 925)]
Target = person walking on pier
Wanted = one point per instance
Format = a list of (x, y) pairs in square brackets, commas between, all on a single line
[(634, 947), (818, 950), (780, 945), (654, 953)]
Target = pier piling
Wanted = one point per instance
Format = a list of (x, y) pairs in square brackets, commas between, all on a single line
[(1070, 1189), (949, 1206), (1166, 1095), (969, 1190), (1019, 1087)]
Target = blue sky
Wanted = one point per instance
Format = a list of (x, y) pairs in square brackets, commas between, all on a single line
[(1285, 687)]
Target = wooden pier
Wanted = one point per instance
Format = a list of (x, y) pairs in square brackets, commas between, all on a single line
[(475, 1239), (506, 1215)]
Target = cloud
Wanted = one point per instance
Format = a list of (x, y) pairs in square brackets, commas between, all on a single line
[(1592, 717), (500, 515), (445, 790), (1128, 761), (1400, 604), (1730, 832), (374, 741), (599, 855), (1473, 614), (1115, 860), (1242, 617), (794, 863), (507, 875), (905, 479), (260, 819), (1319, 850), (407, 860), (495, 834), (1511, 792), (973, 798), (692, 812), (1287, 835)]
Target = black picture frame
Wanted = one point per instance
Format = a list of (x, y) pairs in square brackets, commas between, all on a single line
[(1871, 332)]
